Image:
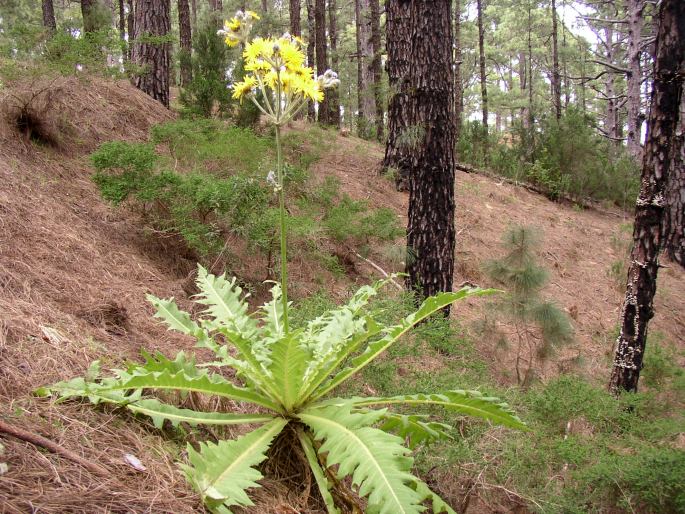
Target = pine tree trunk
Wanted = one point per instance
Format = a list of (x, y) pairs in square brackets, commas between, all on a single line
[(152, 19), (122, 21), (523, 84), (430, 231), (458, 86), (610, 122), (295, 25), (661, 196), (361, 118), (398, 46), (481, 61), (333, 95), (193, 10), (49, 16), (556, 77), (376, 70), (365, 52), (185, 37), (634, 78), (130, 29), (311, 22), (265, 6), (89, 13), (321, 55)]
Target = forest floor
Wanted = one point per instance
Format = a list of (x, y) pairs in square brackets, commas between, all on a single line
[(74, 273)]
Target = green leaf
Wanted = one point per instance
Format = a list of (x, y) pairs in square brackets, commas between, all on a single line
[(289, 360), (176, 319), (473, 403), (377, 461), (428, 307), (159, 412), (165, 380), (415, 428), (224, 302), (319, 474), (222, 472), (438, 505), (272, 315)]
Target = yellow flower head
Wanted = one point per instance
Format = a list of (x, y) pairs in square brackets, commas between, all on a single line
[(246, 87), (277, 68)]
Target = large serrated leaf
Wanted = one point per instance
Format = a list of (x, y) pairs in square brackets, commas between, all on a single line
[(224, 302), (207, 384), (415, 428), (473, 403), (289, 360), (160, 412), (176, 319), (377, 461), (376, 348), (222, 472)]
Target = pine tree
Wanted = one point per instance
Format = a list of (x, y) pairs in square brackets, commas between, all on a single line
[(49, 16), (185, 37), (659, 213), (540, 326), (430, 230), (151, 48)]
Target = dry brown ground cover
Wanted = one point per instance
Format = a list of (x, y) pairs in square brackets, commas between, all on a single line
[(74, 274)]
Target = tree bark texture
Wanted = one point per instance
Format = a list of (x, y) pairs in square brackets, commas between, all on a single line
[(458, 86), (151, 23), (611, 119), (430, 230), (333, 96), (89, 13), (185, 40), (130, 29), (365, 54), (311, 23), (556, 77), (398, 46), (49, 16), (321, 56), (634, 76), (481, 62), (122, 21), (659, 209), (295, 25), (375, 64)]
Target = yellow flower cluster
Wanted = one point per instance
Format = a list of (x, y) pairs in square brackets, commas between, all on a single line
[(278, 64), (237, 29)]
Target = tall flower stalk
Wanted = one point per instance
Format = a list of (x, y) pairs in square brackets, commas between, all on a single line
[(279, 83)]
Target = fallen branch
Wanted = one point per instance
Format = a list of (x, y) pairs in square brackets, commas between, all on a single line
[(585, 204), (43, 442), (379, 269)]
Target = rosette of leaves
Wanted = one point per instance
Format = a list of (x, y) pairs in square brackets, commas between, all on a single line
[(289, 377)]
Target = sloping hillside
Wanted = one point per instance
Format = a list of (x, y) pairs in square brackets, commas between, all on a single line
[(74, 273)]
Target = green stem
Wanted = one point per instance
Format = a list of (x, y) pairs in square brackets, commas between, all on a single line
[(281, 209)]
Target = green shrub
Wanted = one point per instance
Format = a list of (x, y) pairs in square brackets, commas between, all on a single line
[(207, 93), (347, 221)]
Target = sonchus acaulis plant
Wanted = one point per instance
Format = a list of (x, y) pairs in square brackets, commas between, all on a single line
[(289, 376)]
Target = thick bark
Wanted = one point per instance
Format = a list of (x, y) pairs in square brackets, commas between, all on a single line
[(130, 29), (193, 10), (321, 56), (122, 21), (49, 16), (333, 96), (458, 86), (659, 209), (398, 46), (481, 62), (152, 21), (375, 65), (311, 22), (89, 13), (556, 77), (185, 40), (523, 84), (634, 76), (430, 230), (365, 56), (295, 25)]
